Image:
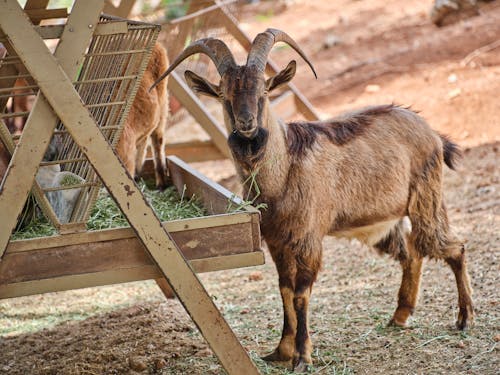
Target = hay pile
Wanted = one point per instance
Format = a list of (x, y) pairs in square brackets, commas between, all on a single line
[(105, 214)]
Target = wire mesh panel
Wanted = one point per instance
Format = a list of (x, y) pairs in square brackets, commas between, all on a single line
[(107, 81)]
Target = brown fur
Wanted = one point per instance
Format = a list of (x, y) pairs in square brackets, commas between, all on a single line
[(22, 103), (4, 161), (360, 175), (147, 120)]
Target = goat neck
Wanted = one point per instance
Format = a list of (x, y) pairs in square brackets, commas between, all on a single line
[(263, 160)]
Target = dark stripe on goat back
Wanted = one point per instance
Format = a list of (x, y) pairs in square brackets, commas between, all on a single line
[(302, 136)]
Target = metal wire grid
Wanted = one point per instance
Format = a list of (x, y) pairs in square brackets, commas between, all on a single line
[(107, 82)]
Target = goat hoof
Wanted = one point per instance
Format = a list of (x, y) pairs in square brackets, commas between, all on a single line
[(301, 366), (401, 316), (276, 356), (394, 323), (465, 318)]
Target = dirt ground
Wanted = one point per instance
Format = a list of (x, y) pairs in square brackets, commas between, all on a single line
[(365, 52)]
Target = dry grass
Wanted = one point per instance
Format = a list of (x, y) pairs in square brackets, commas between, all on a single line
[(105, 214)]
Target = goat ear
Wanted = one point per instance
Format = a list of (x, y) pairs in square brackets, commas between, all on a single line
[(201, 85), (282, 77)]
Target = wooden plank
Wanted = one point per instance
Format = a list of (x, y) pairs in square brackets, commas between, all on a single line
[(72, 227), (36, 15), (59, 91), (123, 233), (197, 109), (110, 28), (70, 282), (36, 4), (215, 197), (165, 286), (38, 130), (44, 263), (185, 30), (87, 280), (190, 152), (201, 12), (194, 151), (228, 262)]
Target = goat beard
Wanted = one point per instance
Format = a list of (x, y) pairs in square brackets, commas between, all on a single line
[(246, 151)]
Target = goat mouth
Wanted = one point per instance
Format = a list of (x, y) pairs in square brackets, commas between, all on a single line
[(250, 134)]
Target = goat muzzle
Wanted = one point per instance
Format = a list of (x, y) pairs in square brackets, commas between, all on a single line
[(248, 134)]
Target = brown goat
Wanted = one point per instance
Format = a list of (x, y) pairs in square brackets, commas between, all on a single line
[(374, 174), (147, 119)]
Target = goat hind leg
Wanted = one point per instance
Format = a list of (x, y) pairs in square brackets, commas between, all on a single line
[(161, 172), (140, 155), (398, 244), (408, 291), (456, 260)]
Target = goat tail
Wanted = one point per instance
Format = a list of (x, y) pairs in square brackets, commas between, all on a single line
[(451, 152)]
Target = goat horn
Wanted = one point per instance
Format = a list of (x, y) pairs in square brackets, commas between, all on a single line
[(216, 49), (264, 42)]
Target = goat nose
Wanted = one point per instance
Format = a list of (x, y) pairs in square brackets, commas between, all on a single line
[(246, 120)]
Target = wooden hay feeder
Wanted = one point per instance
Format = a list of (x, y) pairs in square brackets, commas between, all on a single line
[(83, 93), (77, 260)]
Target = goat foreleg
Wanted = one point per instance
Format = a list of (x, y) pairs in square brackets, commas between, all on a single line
[(308, 257), (286, 266), (297, 267)]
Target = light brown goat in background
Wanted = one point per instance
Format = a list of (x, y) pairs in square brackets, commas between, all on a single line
[(374, 174), (147, 119)]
